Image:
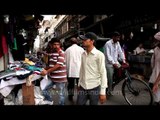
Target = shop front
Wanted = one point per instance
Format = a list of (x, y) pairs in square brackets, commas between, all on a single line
[(140, 64)]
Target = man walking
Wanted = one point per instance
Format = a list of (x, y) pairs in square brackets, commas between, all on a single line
[(73, 62), (93, 80)]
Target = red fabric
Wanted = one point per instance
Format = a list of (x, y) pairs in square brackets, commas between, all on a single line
[(119, 73), (1, 54), (4, 45), (1, 50)]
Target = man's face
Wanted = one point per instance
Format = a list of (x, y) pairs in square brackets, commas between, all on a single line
[(141, 45), (87, 42), (56, 46), (116, 38)]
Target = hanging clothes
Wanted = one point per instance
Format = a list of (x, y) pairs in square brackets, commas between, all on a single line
[(4, 45), (1, 50), (18, 51), (3, 41)]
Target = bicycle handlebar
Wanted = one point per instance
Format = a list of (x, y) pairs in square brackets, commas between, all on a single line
[(125, 66)]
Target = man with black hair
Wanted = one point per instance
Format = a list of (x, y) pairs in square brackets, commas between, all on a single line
[(56, 71), (73, 62), (113, 53), (92, 80)]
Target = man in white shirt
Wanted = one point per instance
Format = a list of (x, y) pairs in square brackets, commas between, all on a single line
[(93, 80), (139, 49), (73, 62), (113, 53)]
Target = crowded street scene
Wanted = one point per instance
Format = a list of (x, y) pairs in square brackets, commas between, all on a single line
[(106, 59)]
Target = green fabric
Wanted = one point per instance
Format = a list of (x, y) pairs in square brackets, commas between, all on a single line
[(101, 49), (15, 44), (33, 68)]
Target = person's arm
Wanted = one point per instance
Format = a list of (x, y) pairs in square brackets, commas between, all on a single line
[(53, 68), (153, 60), (107, 53), (155, 85), (67, 59), (60, 62), (80, 73), (46, 71), (141, 51), (103, 74), (121, 53)]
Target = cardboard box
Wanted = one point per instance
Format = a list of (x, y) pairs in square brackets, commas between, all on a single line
[(28, 94)]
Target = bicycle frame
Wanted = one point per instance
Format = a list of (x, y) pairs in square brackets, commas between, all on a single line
[(116, 79), (131, 85), (128, 80)]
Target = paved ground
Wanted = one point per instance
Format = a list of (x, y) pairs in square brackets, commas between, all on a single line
[(116, 99)]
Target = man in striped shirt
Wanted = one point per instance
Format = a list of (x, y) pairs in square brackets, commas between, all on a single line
[(56, 71)]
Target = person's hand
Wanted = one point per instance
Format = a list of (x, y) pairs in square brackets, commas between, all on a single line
[(116, 66), (44, 72), (102, 98), (142, 53), (125, 65), (155, 88)]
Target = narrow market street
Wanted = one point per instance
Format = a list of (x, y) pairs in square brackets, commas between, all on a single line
[(115, 99)]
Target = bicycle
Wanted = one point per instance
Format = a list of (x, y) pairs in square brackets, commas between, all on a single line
[(134, 91)]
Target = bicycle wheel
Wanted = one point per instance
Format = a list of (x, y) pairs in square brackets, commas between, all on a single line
[(137, 92)]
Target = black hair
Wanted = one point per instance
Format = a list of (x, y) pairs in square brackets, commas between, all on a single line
[(73, 40), (53, 40), (116, 33)]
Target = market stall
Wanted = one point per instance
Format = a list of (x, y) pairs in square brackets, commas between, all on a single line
[(140, 64)]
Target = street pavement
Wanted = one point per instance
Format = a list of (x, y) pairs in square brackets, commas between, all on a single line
[(115, 99)]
